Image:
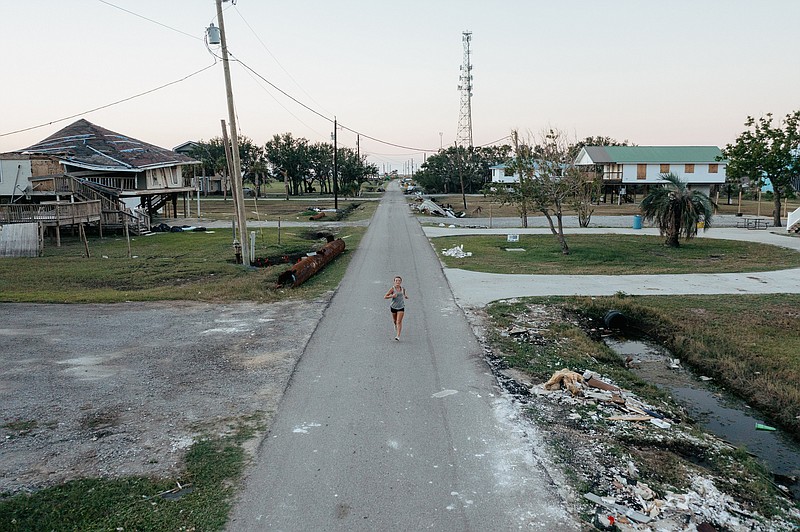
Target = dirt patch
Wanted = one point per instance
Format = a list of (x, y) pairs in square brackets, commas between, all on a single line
[(117, 390)]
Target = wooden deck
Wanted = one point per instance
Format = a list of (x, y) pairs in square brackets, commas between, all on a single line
[(53, 213)]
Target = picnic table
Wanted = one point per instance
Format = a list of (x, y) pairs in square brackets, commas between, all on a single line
[(753, 222)]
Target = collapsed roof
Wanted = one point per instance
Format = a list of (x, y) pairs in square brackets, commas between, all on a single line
[(86, 145)]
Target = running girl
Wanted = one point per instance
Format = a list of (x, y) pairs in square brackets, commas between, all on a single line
[(398, 296)]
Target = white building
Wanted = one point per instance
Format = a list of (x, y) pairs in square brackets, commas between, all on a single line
[(700, 167)]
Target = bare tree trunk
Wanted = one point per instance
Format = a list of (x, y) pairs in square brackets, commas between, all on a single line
[(776, 214), (558, 233)]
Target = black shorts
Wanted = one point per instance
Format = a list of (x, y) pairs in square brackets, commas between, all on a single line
[(396, 310)]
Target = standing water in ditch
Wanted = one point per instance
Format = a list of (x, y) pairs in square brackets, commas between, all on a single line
[(726, 417)]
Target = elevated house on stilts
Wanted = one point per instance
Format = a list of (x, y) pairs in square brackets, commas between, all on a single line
[(86, 174)]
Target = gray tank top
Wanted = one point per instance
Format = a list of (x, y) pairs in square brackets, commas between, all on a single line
[(398, 300)]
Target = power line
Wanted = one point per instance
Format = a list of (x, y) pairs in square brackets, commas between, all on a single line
[(494, 141), (255, 34), (322, 115), (387, 143), (149, 19), (109, 104)]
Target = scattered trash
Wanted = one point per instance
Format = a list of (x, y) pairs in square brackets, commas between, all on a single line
[(457, 252), (674, 363), (597, 383), (660, 423), (610, 504), (515, 249), (761, 426), (704, 378), (430, 207), (164, 228), (565, 378), (597, 404)]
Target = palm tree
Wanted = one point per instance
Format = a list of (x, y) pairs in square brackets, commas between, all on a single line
[(676, 209)]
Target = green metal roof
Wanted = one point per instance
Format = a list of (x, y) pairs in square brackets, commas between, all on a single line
[(662, 154)]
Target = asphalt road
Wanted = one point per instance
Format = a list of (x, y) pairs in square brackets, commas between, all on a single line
[(374, 434)]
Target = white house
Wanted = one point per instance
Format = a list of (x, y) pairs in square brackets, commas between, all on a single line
[(502, 174), (700, 167)]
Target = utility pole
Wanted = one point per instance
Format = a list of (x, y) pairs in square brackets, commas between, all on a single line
[(335, 166), (236, 178)]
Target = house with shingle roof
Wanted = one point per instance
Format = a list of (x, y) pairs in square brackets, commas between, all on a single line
[(86, 159), (113, 179), (627, 170)]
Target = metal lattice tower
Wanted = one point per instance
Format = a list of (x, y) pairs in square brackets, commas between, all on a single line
[(464, 135)]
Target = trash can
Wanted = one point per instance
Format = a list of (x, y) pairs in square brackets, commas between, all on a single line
[(637, 221)]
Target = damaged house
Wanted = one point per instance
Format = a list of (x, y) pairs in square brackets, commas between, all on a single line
[(84, 173)]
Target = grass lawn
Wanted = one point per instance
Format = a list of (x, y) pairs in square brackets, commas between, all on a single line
[(213, 467), (613, 254), (273, 209), (167, 266)]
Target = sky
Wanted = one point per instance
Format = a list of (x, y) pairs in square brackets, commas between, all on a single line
[(653, 73)]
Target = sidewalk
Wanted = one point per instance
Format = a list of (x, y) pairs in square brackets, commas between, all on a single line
[(474, 289)]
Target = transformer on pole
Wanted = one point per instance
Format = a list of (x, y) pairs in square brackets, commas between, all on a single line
[(464, 134)]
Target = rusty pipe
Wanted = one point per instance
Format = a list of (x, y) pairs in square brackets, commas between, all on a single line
[(301, 271)]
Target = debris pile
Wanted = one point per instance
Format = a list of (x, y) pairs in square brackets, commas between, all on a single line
[(428, 206), (590, 386), (457, 252), (609, 434), (164, 228), (567, 379), (629, 503)]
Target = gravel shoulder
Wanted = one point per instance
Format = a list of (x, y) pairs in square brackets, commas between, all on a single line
[(116, 390)]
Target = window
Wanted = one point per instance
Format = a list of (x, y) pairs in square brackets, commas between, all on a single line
[(713, 168), (689, 169), (641, 171), (664, 168)]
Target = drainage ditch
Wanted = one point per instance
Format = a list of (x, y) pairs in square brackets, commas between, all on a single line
[(711, 407)]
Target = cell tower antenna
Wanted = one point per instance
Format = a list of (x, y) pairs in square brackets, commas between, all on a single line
[(464, 135)]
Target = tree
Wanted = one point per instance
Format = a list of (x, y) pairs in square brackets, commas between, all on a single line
[(766, 152), (590, 184), (677, 210), (351, 171), (321, 162), (444, 171), (556, 181), (548, 180), (289, 156)]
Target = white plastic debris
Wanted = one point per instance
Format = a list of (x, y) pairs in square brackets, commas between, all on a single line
[(457, 252)]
